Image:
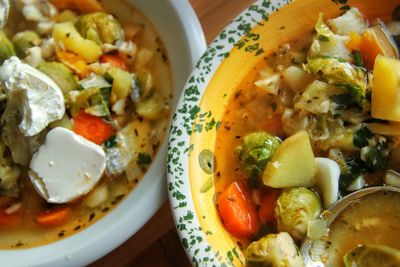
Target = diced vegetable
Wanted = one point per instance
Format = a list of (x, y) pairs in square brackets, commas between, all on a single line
[(269, 81), (391, 129), (385, 99), (254, 153), (24, 40), (339, 73), (294, 209), (75, 63), (60, 74), (327, 180), (132, 140), (100, 27), (121, 85), (94, 81), (6, 48), (317, 98), (141, 88), (273, 250), (114, 61), (237, 210), (92, 128), (54, 217), (328, 44), (84, 6), (292, 164), (267, 206), (297, 78), (67, 34), (152, 108), (350, 22)]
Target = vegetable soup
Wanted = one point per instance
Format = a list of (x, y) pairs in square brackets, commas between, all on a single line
[(85, 99), (318, 121)]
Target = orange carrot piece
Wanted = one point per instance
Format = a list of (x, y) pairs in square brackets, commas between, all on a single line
[(92, 128), (238, 211), (54, 217), (355, 42), (7, 220), (83, 6), (114, 61), (75, 63), (273, 125), (369, 50), (267, 206)]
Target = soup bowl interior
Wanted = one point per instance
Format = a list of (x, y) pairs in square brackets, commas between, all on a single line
[(183, 49), (231, 63)]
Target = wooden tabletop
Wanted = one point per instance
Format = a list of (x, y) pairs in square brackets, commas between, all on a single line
[(157, 243)]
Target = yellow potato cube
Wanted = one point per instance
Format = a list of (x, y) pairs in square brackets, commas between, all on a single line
[(385, 99), (293, 163), (72, 41)]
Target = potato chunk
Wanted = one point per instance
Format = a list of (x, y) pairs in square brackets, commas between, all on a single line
[(72, 41), (293, 163), (385, 102)]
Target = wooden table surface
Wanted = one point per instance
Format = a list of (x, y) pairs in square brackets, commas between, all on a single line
[(157, 243)]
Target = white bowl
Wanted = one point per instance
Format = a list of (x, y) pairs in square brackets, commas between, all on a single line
[(183, 37)]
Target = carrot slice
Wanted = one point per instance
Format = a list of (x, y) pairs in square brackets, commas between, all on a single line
[(83, 6), (267, 206), (369, 50), (92, 128), (355, 42), (238, 211), (114, 61), (10, 219), (75, 63), (54, 217)]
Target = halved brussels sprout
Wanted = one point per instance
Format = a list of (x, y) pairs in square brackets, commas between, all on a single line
[(60, 74), (100, 27), (255, 152), (25, 40), (294, 209), (277, 250)]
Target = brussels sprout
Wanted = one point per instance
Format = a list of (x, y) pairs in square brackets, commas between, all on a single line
[(100, 27), (24, 40), (372, 255), (60, 74), (6, 48), (277, 250), (294, 209), (255, 152)]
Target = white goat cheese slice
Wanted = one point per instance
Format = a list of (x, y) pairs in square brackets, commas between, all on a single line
[(41, 99), (66, 166)]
